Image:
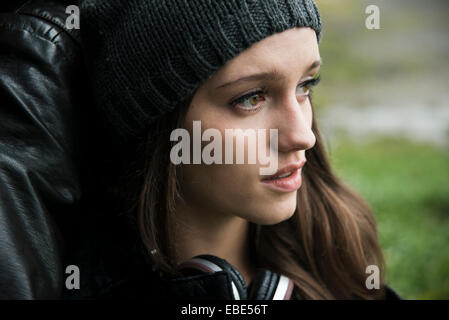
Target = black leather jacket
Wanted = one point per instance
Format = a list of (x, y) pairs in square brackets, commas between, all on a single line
[(39, 175), (53, 163)]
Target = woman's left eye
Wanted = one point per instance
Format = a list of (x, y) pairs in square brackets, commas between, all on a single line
[(304, 88)]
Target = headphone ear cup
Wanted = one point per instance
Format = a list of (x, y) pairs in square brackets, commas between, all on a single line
[(263, 285), (207, 263), (268, 285)]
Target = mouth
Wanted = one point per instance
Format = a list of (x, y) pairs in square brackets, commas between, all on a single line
[(286, 171), (288, 174), (287, 179)]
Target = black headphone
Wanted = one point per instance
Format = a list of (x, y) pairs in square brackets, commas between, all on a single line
[(266, 285)]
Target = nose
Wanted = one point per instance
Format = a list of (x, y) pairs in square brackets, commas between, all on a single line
[(294, 122)]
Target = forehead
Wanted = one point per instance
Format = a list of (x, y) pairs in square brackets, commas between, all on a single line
[(291, 50)]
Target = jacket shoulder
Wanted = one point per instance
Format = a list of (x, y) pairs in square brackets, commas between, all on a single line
[(44, 20), (390, 294)]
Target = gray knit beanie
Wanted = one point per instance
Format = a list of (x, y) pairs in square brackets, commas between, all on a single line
[(146, 56)]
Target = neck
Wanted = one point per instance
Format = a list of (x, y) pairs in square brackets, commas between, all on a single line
[(199, 232)]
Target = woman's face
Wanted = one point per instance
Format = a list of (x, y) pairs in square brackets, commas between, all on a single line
[(276, 101)]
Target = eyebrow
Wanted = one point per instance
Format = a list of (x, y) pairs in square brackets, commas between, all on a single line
[(273, 75)]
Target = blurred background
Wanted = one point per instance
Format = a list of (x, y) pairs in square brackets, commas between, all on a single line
[(383, 110)]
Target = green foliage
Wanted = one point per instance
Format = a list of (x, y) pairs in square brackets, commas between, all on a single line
[(407, 187)]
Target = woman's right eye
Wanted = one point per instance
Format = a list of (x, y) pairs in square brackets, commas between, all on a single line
[(249, 102)]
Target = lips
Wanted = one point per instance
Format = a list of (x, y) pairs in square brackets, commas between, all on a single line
[(287, 179), (286, 171)]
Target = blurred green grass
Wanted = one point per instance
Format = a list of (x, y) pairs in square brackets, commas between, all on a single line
[(406, 183), (407, 186)]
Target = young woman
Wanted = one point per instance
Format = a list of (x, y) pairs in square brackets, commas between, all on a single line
[(158, 66)]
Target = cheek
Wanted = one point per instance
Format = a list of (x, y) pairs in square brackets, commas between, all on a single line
[(235, 190), (219, 186)]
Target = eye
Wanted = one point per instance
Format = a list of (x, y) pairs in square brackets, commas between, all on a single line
[(250, 101), (304, 88)]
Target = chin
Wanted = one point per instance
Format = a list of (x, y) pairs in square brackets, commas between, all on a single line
[(277, 211)]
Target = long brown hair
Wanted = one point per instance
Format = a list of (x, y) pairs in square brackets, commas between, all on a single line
[(324, 247)]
